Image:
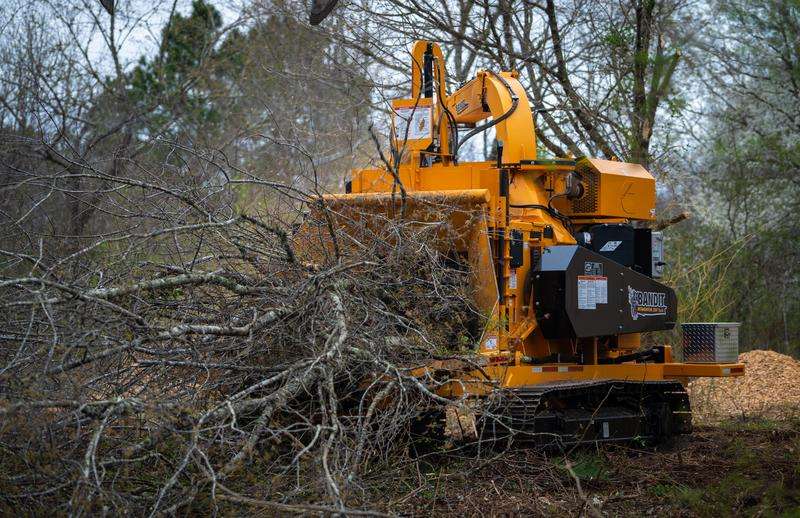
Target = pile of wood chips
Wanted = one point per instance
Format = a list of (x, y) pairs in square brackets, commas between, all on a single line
[(770, 388)]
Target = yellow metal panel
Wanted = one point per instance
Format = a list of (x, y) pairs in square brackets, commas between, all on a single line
[(466, 103), (467, 198), (408, 109), (417, 62), (612, 190), (627, 197), (680, 370), (480, 257), (630, 341), (618, 168), (512, 376), (439, 177), (451, 215)]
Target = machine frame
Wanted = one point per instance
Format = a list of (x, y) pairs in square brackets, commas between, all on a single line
[(526, 207)]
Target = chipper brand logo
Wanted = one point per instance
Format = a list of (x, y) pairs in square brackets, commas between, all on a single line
[(646, 303)]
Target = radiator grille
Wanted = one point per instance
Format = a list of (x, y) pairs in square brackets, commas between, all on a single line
[(587, 203)]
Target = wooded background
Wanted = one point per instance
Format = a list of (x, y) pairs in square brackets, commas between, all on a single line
[(706, 95), (154, 162)]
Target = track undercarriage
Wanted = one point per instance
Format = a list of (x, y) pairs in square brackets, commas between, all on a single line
[(571, 412)]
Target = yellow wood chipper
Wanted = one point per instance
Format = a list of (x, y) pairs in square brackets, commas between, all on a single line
[(565, 264)]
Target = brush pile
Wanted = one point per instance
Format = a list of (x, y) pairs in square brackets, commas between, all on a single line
[(770, 388), (220, 361)]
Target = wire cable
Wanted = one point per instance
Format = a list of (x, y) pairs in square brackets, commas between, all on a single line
[(548, 209), (451, 120)]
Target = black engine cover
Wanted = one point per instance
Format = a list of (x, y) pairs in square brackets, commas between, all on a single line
[(580, 293)]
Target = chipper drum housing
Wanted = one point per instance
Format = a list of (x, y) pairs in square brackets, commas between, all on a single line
[(566, 267)]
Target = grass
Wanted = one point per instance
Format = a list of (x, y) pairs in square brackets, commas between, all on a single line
[(587, 466), (759, 424), (740, 491), (759, 475)]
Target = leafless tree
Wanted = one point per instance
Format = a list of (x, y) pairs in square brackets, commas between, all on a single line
[(175, 315), (599, 75)]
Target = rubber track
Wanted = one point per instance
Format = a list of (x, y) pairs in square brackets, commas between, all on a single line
[(549, 413)]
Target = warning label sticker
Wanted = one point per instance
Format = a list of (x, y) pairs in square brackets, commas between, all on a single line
[(592, 290), (586, 299), (414, 123), (601, 289), (512, 280)]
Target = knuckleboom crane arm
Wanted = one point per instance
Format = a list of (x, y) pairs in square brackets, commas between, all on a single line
[(499, 96)]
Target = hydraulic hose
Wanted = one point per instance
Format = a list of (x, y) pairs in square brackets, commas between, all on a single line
[(451, 121), (548, 209)]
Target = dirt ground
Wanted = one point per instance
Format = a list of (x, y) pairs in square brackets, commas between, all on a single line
[(743, 458), (749, 468)]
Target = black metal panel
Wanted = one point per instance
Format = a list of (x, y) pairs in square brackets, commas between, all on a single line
[(643, 251), (498, 265), (516, 248), (427, 72), (580, 293), (615, 242)]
